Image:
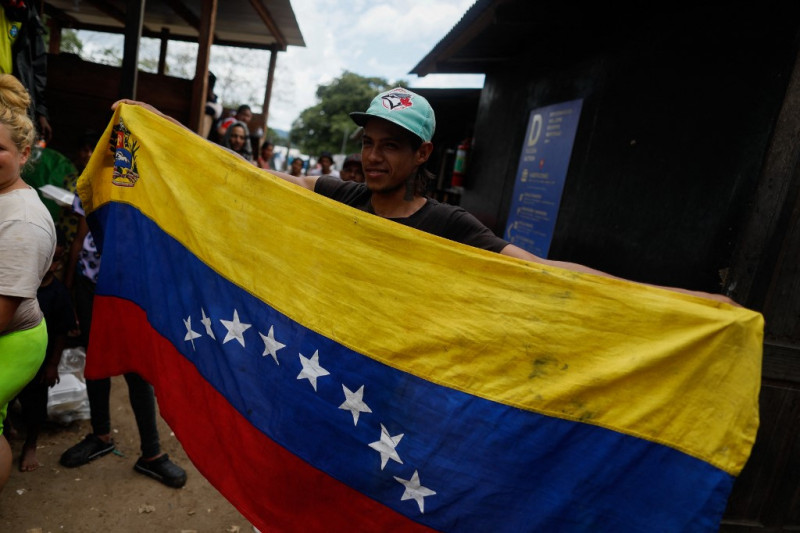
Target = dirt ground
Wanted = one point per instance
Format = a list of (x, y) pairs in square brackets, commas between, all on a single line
[(107, 495)]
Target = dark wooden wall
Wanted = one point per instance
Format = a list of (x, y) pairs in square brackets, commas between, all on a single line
[(672, 136), (79, 97)]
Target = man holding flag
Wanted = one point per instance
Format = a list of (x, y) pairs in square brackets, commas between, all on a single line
[(525, 396)]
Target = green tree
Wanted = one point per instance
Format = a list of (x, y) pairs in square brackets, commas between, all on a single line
[(70, 42), (327, 126)]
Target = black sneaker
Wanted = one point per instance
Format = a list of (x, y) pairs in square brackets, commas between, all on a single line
[(88, 449), (163, 470)]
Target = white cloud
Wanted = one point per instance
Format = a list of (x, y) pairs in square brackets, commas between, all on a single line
[(371, 38)]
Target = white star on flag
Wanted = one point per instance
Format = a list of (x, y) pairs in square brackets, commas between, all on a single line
[(271, 346), (206, 321), (354, 403), (415, 491), (190, 335), (386, 447), (311, 369), (235, 329)]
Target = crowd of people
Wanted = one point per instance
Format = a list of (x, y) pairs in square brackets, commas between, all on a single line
[(233, 132)]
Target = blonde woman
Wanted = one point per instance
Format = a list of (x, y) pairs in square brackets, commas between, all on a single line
[(27, 243)]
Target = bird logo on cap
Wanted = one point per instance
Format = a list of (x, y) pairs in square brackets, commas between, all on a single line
[(397, 100)]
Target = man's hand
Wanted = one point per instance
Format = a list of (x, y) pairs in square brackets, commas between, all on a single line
[(44, 128)]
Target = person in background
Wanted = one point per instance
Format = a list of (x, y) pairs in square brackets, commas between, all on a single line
[(352, 169), (59, 315), (243, 115), (265, 155), (237, 139), (213, 109), (27, 245), (23, 54), (296, 168), (81, 276), (325, 166), (67, 222)]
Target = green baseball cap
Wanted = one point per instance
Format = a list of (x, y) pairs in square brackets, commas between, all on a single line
[(404, 108)]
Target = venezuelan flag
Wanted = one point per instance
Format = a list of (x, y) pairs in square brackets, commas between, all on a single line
[(329, 370)]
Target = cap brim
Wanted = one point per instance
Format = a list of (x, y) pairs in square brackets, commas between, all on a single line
[(360, 118)]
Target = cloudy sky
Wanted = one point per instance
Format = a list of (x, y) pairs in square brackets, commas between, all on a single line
[(380, 38), (369, 37)]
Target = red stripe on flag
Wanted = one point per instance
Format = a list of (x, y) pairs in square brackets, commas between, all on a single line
[(269, 485)]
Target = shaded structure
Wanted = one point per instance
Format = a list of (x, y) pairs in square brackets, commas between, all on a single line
[(80, 91), (684, 171)]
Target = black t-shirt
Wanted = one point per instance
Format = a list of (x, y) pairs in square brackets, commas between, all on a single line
[(445, 220)]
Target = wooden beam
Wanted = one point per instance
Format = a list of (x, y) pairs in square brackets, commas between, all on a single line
[(273, 28), (162, 54), (208, 21), (66, 21), (273, 56), (185, 13), (134, 17), (54, 46), (108, 9)]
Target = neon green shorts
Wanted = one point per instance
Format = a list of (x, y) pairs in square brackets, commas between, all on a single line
[(21, 355)]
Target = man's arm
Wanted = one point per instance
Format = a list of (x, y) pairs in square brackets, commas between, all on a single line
[(519, 253)]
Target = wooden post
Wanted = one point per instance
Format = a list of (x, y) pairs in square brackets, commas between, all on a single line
[(200, 90), (273, 57), (134, 17), (54, 27), (162, 55)]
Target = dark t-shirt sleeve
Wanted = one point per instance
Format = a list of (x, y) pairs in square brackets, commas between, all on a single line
[(463, 227), (347, 192)]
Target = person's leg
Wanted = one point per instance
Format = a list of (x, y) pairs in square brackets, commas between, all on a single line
[(153, 462), (99, 393), (99, 442), (5, 462), (143, 403), (21, 355), (33, 399)]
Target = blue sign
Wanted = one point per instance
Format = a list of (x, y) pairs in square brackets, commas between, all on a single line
[(541, 173)]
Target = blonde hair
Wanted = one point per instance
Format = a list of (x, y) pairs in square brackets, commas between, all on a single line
[(14, 103)]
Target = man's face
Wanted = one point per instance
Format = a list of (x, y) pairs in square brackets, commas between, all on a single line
[(244, 116), (297, 166), (84, 154), (388, 157), (352, 172), (325, 163)]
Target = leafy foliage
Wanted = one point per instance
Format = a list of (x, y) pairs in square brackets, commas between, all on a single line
[(327, 126)]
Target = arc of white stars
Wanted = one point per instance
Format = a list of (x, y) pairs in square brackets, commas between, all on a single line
[(415, 491), (206, 321), (354, 402), (271, 346), (235, 329), (311, 369), (190, 335), (386, 447)]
